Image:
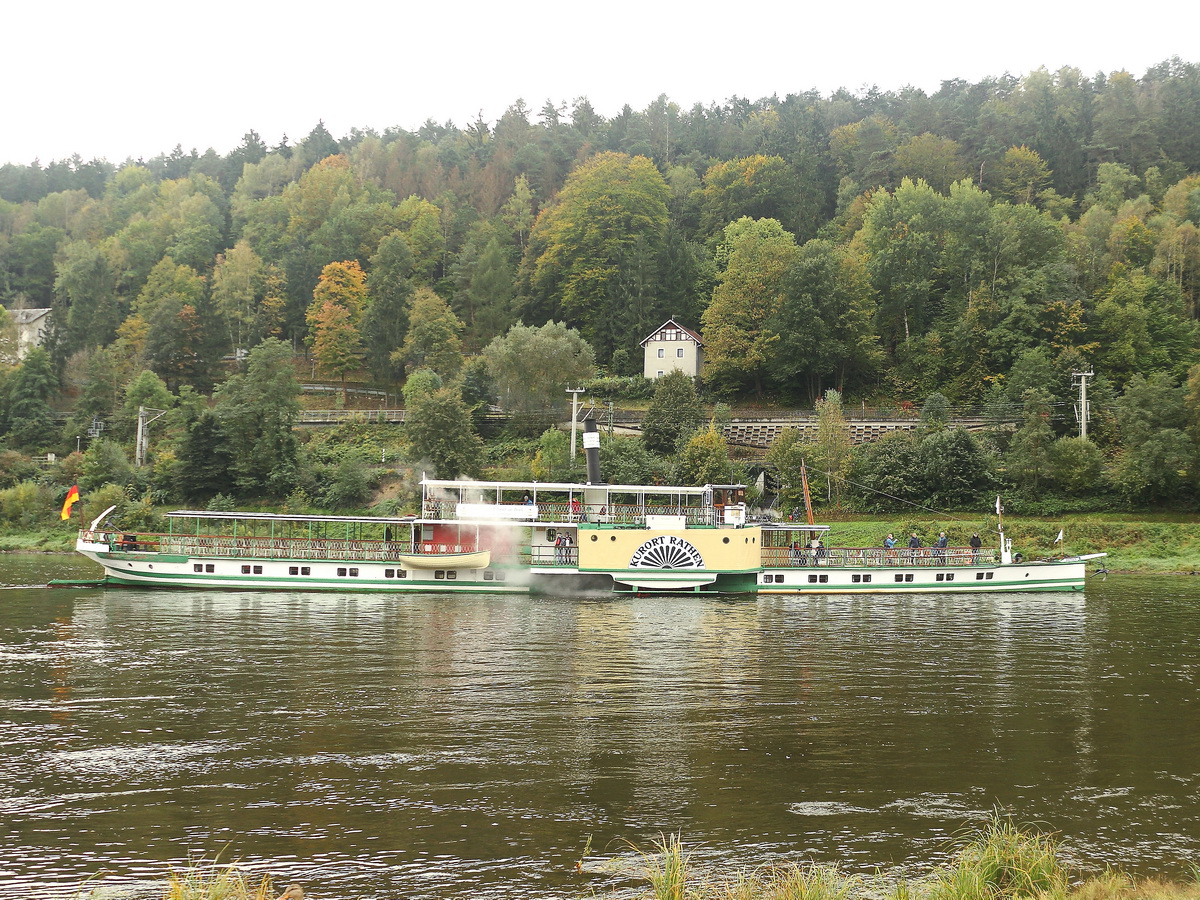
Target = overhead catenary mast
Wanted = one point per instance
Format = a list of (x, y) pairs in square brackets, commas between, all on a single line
[(1082, 412)]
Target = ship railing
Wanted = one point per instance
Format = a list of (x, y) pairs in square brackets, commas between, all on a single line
[(550, 556), (261, 547), (875, 557), (619, 514)]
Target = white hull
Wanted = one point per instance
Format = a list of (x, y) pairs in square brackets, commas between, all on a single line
[(152, 569), (159, 570)]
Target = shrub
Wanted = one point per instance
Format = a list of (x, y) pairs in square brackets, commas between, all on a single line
[(29, 503)]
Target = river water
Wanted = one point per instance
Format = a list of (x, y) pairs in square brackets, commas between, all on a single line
[(470, 746)]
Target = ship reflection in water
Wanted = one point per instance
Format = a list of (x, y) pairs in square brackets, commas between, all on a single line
[(453, 746)]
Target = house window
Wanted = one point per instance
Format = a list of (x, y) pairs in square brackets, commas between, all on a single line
[(661, 352), (679, 352), (660, 371)]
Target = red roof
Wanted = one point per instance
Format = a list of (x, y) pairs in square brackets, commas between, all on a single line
[(671, 323)]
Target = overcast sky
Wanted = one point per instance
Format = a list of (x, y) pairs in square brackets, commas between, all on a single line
[(135, 78)]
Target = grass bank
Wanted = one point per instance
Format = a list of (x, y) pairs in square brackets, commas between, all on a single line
[(1002, 862)]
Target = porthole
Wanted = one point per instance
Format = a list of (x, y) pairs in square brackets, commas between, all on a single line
[(724, 540), (612, 537), (595, 537)]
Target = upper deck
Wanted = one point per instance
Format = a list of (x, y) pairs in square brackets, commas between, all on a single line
[(556, 503)]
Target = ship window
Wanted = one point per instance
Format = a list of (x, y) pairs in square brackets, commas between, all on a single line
[(940, 577), (949, 576), (451, 575), (767, 579), (209, 567), (245, 570), (402, 573), (439, 573), (866, 578), (979, 576), (304, 570), (824, 579), (196, 567), (988, 576), (499, 576), (258, 570), (342, 572), (856, 578), (389, 573), (899, 577), (812, 579), (908, 576), (487, 576), (354, 573), (293, 570)]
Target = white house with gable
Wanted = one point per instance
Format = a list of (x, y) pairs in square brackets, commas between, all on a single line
[(671, 348), (31, 326)]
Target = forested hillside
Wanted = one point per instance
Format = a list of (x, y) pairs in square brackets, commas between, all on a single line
[(981, 243)]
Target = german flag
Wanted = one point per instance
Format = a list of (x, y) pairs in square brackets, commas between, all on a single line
[(72, 496)]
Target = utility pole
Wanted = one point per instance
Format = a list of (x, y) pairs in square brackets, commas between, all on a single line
[(574, 392), (143, 439), (1083, 413)]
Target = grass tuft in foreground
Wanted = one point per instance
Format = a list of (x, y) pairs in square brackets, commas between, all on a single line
[(210, 882)]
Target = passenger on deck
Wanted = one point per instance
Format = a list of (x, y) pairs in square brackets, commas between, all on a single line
[(914, 546), (941, 545), (976, 544)]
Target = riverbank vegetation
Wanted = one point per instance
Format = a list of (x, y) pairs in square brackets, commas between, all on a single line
[(1002, 862), (945, 260)]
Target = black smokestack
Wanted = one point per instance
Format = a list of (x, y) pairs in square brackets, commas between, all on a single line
[(591, 449)]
